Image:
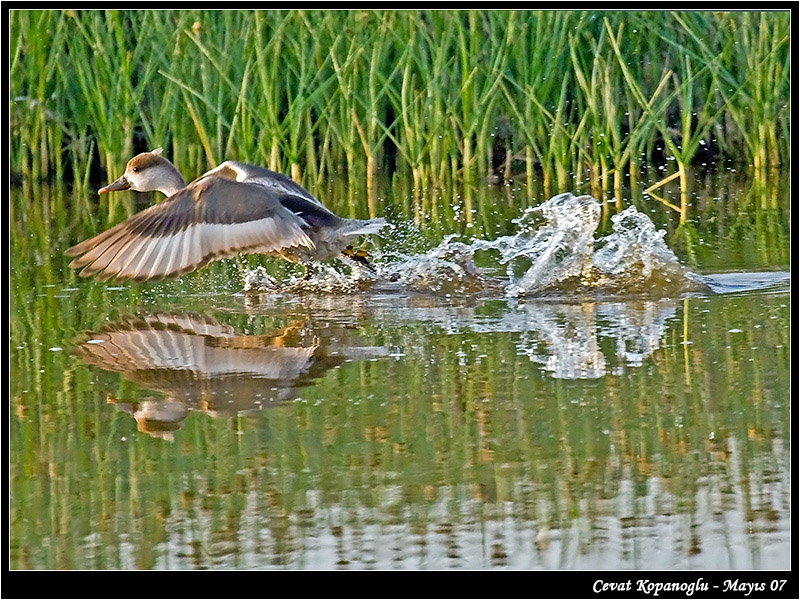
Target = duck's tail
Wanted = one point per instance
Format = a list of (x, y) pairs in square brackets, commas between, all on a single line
[(357, 227)]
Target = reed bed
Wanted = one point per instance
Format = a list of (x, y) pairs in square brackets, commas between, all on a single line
[(564, 97)]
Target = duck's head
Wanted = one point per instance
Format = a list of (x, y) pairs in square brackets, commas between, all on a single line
[(147, 172)]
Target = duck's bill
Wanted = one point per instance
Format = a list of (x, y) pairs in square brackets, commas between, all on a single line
[(119, 184)]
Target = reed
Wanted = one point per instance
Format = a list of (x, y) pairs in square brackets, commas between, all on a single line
[(442, 96), (753, 74), (533, 90), (37, 40)]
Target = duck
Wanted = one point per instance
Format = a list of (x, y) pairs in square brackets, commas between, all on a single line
[(235, 208)]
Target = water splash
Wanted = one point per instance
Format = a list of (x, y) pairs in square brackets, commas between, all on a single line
[(635, 258), (321, 278), (554, 251), (445, 270), (553, 246)]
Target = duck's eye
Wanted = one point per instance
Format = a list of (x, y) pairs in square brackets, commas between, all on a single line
[(135, 169)]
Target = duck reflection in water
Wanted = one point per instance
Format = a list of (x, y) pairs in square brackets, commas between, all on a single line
[(200, 364)]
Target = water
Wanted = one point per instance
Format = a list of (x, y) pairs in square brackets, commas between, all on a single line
[(565, 394), (554, 251)]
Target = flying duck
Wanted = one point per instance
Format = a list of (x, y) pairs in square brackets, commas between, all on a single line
[(233, 209)]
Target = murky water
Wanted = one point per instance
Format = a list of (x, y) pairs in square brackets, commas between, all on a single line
[(524, 397)]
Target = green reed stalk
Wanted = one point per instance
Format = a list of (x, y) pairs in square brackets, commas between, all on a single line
[(602, 84), (417, 96), (281, 109), (533, 85), (473, 114), (696, 119), (267, 47), (323, 91), (594, 108), (309, 84), (753, 74), (160, 103), (345, 122), (37, 43), (110, 75), (372, 101), (431, 64), (210, 104)]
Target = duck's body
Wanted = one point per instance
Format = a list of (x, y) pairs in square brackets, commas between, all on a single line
[(233, 209)]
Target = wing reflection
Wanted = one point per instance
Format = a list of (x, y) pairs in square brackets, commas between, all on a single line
[(198, 363)]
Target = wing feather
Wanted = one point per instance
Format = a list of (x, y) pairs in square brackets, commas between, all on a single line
[(211, 218)]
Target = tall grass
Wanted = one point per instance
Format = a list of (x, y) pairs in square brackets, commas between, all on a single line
[(567, 97)]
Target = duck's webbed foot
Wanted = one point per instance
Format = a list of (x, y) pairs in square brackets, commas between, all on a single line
[(358, 256)]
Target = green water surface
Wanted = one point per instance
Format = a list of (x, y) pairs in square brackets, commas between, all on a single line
[(387, 429)]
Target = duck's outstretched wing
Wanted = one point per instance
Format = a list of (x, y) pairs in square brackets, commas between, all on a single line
[(211, 218), (272, 181)]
